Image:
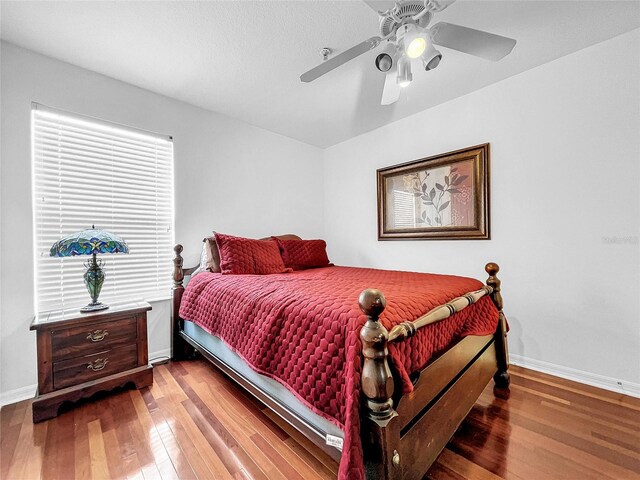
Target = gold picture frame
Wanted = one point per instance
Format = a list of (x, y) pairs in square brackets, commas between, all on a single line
[(443, 197)]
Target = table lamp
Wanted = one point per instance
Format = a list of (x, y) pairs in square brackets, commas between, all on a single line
[(90, 242)]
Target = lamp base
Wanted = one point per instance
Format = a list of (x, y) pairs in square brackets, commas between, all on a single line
[(93, 307)]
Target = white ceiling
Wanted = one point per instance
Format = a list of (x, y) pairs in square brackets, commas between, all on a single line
[(244, 58)]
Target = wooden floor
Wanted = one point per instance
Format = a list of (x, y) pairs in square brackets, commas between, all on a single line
[(194, 423)]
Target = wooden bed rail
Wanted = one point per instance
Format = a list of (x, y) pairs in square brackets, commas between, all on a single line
[(408, 329)]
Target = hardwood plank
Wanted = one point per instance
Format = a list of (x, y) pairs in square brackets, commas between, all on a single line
[(175, 452), (145, 448), (281, 464), (149, 399), (611, 453), (218, 427), (22, 409), (253, 460), (464, 467), (549, 438), (170, 385), (321, 456), (114, 462), (9, 435), (158, 449), (238, 424), (441, 472), (594, 418), (126, 443), (6, 414), (28, 458), (566, 417), (307, 457), (148, 407), (58, 460), (222, 449), (626, 409), (201, 456), (82, 464), (584, 390), (131, 466), (99, 468)]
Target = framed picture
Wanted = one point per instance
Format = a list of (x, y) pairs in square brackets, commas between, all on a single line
[(443, 197)]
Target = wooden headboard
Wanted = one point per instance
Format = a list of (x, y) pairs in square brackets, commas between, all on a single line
[(288, 236)]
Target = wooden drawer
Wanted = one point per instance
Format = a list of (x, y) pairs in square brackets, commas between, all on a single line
[(90, 367), (92, 338)]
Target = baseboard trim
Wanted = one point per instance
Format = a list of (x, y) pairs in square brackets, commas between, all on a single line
[(592, 379), (18, 394), (159, 355), (25, 393)]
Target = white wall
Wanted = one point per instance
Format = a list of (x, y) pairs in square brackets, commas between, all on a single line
[(229, 176), (565, 177)]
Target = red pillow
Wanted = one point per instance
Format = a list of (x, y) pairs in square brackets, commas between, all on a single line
[(302, 254), (247, 256)]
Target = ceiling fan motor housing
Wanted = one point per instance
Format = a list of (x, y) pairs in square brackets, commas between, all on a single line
[(404, 10)]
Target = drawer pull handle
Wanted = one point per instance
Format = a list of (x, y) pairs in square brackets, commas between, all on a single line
[(97, 336), (98, 364)]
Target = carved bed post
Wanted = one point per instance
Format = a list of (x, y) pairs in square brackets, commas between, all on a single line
[(380, 434), (180, 349), (501, 378)]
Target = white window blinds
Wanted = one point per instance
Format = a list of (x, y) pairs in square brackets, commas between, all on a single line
[(88, 172), (404, 209)]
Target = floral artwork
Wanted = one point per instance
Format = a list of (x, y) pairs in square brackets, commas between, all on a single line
[(438, 197)]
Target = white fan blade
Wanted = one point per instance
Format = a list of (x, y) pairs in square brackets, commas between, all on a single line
[(474, 42), (338, 60), (380, 5), (391, 90)]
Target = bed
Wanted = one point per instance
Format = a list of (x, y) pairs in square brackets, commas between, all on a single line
[(369, 398)]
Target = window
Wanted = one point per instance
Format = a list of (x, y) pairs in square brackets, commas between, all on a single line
[(89, 172)]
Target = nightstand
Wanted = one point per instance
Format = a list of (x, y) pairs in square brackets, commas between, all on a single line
[(80, 354)]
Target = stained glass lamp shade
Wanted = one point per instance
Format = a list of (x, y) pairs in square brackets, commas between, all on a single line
[(90, 242)]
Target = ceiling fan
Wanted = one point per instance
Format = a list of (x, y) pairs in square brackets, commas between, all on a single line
[(411, 43)]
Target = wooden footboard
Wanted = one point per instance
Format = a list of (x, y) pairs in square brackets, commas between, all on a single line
[(402, 440), (402, 435)]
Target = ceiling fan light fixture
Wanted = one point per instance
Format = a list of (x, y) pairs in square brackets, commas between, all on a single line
[(405, 76), (416, 47), (431, 58), (413, 39), (384, 62)]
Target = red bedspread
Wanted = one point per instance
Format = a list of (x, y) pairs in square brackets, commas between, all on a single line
[(302, 329)]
